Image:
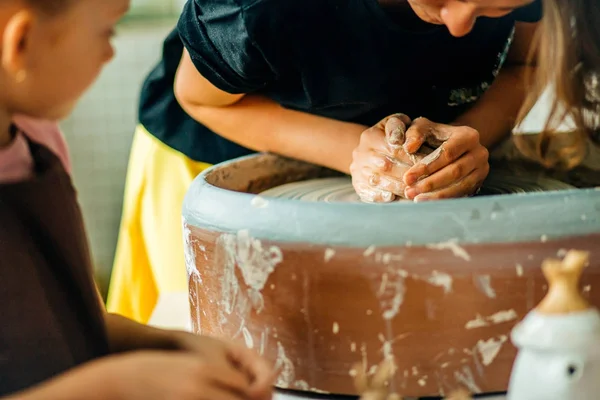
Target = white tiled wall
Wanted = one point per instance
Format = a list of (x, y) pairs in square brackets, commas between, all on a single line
[(100, 131)]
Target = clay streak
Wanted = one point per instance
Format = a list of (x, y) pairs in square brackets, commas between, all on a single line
[(490, 348), (283, 363), (484, 283), (391, 295), (497, 318), (453, 246), (441, 279), (253, 261), (466, 378)]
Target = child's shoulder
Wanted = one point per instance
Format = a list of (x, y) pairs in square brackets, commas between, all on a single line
[(46, 133)]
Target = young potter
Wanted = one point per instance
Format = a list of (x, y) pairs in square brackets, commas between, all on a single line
[(57, 341), (307, 79)]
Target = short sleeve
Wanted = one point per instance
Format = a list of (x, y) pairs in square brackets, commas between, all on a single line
[(216, 36), (530, 13)]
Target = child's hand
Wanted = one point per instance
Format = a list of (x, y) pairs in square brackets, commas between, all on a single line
[(257, 370), (153, 375), (126, 336), (380, 162), (150, 375)]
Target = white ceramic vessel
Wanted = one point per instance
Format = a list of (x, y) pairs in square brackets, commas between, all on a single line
[(558, 342)]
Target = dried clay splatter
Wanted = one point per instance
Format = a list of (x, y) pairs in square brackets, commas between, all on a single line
[(287, 375), (193, 275), (484, 284), (248, 338), (453, 246), (466, 378), (336, 328), (329, 254), (496, 318), (254, 262), (489, 349), (519, 269), (391, 294), (259, 202), (441, 279), (190, 254)]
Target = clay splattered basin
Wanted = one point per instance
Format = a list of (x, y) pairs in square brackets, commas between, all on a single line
[(317, 287)]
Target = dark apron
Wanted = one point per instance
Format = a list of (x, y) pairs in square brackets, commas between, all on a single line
[(50, 314)]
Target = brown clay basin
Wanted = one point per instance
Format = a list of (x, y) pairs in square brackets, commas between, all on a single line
[(317, 287)]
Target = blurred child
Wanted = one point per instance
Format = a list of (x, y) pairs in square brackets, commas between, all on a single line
[(57, 341)]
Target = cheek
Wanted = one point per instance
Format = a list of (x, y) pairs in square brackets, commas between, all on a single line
[(65, 77), (86, 61)]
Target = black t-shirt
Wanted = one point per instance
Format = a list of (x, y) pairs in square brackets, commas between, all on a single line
[(343, 59)]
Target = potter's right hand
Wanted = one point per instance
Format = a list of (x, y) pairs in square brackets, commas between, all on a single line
[(379, 162), (150, 375)]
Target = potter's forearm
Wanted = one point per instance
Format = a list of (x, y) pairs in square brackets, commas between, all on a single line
[(263, 125), (126, 335), (494, 115)]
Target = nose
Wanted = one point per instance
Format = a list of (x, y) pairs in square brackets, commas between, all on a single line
[(459, 17)]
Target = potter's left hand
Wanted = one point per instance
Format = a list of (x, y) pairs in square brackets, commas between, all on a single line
[(457, 168)]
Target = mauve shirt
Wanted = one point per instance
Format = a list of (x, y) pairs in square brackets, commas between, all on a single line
[(16, 163)]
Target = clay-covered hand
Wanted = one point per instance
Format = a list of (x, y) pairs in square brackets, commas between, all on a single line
[(380, 162), (258, 372), (457, 168)]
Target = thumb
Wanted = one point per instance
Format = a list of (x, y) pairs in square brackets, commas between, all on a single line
[(395, 129)]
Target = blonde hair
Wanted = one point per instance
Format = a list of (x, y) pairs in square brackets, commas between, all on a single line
[(568, 47)]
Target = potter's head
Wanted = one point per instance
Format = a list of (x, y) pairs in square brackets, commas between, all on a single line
[(459, 15), (52, 51)]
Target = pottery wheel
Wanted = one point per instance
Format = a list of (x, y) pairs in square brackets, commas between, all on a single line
[(333, 190)]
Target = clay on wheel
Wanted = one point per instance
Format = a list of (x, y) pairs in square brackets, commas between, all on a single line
[(340, 189)]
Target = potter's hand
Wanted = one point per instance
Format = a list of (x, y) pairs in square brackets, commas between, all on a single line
[(259, 374), (457, 168), (380, 162)]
